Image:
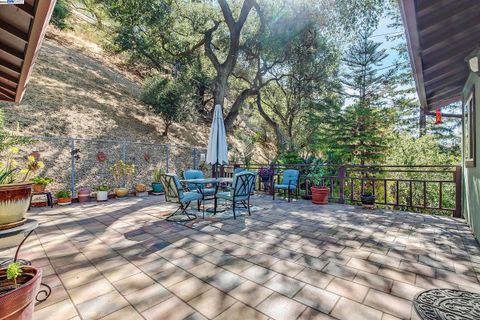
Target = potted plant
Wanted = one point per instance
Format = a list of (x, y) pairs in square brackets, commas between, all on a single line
[(157, 187), (15, 187), (102, 192), (40, 183), (141, 190), (368, 199), (18, 288), (265, 173), (122, 175), (318, 189), (84, 194), (63, 197)]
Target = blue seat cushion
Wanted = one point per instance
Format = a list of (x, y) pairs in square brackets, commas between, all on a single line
[(285, 186), (229, 196), (209, 191), (190, 196)]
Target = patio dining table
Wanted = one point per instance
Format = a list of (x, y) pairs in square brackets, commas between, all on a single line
[(201, 183)]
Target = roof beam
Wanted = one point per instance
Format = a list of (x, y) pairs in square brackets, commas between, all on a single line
[(438, 11), (407, 9), (445, 94), (8, 87), (453, 32), (442, 76), (13, 31), (7, 93), (27, 8), (10, 66), (458, 79), (12, 51), (8, 77)]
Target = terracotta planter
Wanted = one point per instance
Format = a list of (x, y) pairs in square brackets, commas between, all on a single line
[(320, 195), (121, 192), (39, 188), (18, 303), (64, 201), (14, 201), (84, 195)]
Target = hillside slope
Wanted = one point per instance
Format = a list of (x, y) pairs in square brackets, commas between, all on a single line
[(78, 89)]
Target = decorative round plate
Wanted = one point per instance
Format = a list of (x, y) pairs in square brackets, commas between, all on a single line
[(447, 304)]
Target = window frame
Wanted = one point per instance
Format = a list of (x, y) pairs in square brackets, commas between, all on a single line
[(469, 113)]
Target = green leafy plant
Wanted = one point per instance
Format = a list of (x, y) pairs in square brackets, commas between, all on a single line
[(316, 175), (60, 15), (157, 175), (42, 180), (63, 194), (367, 193), (14, 270), (102, 188)]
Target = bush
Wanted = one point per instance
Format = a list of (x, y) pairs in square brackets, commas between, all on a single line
[(60, 15), (42, 180), (167, 98), (102, 188)]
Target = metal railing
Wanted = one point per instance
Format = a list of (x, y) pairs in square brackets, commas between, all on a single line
[(426, 188)]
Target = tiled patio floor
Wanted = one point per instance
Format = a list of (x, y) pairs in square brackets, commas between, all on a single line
[(121, 260)]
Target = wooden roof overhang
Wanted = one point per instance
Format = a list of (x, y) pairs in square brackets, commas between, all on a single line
[(22, 29), (440, 34)]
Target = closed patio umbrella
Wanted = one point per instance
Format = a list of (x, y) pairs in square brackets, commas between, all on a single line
[(217, 153)]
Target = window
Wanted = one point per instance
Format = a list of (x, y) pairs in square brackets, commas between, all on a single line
[(469, 145)]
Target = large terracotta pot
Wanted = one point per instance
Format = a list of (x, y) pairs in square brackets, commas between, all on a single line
[(18, 304), (320, 195), (14, 201)]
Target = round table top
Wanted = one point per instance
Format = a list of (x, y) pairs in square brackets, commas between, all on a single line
[(28, 226), (443, 304)]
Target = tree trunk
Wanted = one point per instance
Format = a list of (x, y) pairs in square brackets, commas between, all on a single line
[(236, 106), (167, 126), (281, 144), (422, 123)]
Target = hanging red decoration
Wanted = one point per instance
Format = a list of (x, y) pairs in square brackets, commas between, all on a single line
[(146, 156), (101, 156), (438, 116)]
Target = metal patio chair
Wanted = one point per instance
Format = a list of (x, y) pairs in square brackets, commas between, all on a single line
[(243, 186), (174, 193), (289, 183)]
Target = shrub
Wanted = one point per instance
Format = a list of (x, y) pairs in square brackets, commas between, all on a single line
[(167, 99), (102, 188), (60, 15)]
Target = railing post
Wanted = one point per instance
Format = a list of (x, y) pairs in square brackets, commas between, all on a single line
[(272, 178), (72, 152), (342, 173), (167, 157), (458, 192)]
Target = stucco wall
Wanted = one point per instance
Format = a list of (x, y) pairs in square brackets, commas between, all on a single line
[(471, 181)]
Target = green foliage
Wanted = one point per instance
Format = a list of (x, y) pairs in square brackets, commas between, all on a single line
[(63, 194), (157, 174), (42, 180), (102, 188), (166, 98), (60, 15), (316, 173), (14, 270)]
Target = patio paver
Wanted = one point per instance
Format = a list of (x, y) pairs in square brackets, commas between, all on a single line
[(121, 259)]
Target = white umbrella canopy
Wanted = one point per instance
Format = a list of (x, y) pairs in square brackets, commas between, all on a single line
[(217, 152)]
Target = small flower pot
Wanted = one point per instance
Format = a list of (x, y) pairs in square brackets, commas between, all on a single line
[(64, 201), (121, 192), (102, 196), (157, 188), (38, 188), (320, 195), (83, 195), (18, 302), (368, 201)]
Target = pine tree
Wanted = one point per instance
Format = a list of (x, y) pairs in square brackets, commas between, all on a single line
[(363, 128)]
